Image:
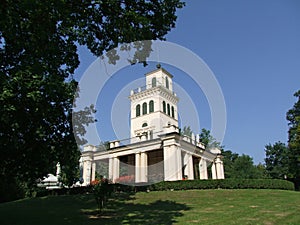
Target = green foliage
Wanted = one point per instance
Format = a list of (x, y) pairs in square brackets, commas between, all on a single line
[(293, 116), (236, 166), (102, 190), (243, 168), (224, 184), (208, 140), (277, 160), (205, 137), (283, 161), (187, 131), (228, 158), (38, 54)]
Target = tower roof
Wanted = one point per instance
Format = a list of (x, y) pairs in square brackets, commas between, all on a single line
[(159, 68)]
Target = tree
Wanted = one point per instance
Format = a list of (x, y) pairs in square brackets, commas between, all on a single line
[(228, 159), (236, 166), (208, 140), (277, 160), (243, 168), (187, 131), (38, 54), (293, 116)]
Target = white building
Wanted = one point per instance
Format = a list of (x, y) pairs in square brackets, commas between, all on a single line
[(155, 151)]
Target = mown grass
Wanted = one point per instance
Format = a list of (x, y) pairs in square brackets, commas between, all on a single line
[(162, 207)]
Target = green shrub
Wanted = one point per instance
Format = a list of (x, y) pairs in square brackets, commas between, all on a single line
[(102, 190), (224, 184)]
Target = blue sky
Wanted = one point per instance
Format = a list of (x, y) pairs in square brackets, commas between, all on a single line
[(253, 49)]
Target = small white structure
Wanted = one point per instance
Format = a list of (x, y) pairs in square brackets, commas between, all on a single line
[(51, 181), (155, 151)]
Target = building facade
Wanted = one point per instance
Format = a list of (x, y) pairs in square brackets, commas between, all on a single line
[(156, 150)]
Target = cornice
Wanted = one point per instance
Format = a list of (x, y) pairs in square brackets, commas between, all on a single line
[(159, 90)]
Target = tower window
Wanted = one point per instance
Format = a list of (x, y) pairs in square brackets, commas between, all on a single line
[(172, 111), (168, 107), (164, 106), (167, 83), (138, 110), (144, 125), (151, 106), (144, 108), (154, 82)]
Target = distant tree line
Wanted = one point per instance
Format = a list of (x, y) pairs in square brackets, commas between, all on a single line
[(235, 165), (282, 161)]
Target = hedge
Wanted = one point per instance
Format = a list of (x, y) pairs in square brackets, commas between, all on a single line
[(183, 185), (223, 184), (41, 192)]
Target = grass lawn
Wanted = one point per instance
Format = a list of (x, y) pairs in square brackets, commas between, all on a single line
[(168, 207)]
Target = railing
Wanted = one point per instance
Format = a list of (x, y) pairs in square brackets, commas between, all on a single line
[(144, 88), (140, 89), (194, 140)]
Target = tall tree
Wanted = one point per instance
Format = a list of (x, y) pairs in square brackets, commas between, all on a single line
[(228, 159), (293, 116), (277, 160), (38, 54), (235, 166), (208, 140), (244, 168), (241, 166)]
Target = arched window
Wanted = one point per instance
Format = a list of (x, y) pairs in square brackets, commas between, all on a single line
[(172, 111), (151, 106), (154, 82), (164, 106), (144, 125), (138, 110), (144, 108), (168, 107), (167, 83)]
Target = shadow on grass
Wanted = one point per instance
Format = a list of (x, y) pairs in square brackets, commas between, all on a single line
[(123, 210)]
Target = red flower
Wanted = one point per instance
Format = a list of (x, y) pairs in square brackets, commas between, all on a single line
[(95, 182), (125, 179)]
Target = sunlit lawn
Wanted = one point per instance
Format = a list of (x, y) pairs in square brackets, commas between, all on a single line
[(169, 207)]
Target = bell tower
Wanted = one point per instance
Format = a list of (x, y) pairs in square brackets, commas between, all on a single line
[(153, 106)]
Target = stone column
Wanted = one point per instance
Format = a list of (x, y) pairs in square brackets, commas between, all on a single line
[(172, 163), (137, 167), (116, 168), (110, 169), (144, 167), (179, 162), (141, 163), (93, 171), (213, 171), (203, 169), (86, 172), (188, 166), (219, 168), (167, 171)]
